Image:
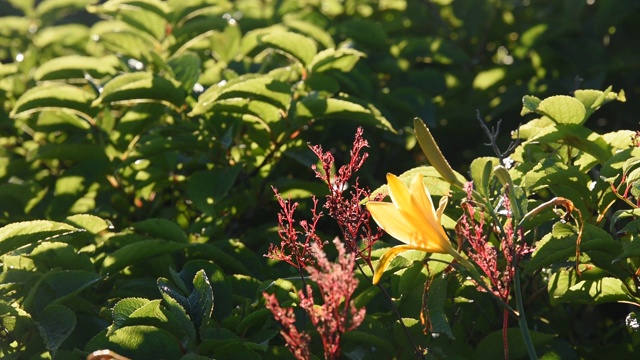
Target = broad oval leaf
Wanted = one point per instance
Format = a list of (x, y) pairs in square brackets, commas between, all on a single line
[(312, 108), (16, 235), (55, 323), (60, 255), (206, 188), (296, 46), (138, 342), (91, 223), (563, 109), (136, 252), (56, 97), (343, 59), (76, 66), (161, 229), (309, 29), (141, 87)]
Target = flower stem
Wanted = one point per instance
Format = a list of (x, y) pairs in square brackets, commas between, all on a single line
[(522, 319)]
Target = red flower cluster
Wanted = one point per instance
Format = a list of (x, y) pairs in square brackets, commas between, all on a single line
[(301, 247), (353, 219), (336, 314)]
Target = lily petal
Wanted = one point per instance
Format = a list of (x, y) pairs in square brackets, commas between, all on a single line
[(423, 204), (385, 260), (399, 193), (393, 222)]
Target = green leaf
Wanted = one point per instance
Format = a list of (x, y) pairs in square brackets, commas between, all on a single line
[(262, 88), (161, 229), (61, 255), (55, 324), (530, 104), (436, 300), (255, 320), (68, 35), (138, 342), (16, 235), (206, 188), (560, 247), (76, 66), (235, 350), (122, 311), (137, 252), (366, 32), (567, 286), (138, 311), (192, 30), (63, 97), (226, 256), (621, 214), (481, 171), (177, 304), (342, 59), (121, 38), (91, 223), (491, 347), (50, 10), (201, 299), (434, 155), (219, 283), (186, 69), (57, 287), (146, 15), (226, 44), (363, 338), (158, 7), (141, 87), (320, 35), (577, 136), (430, 177), (314, 108), (296, 46), (563, 109)]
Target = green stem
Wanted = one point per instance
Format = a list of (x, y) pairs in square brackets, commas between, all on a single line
[(522, 319)]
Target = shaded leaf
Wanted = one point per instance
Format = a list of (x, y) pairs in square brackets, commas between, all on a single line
[(201, 299), (55, 324), (137, 252), (206, 188), (161, 229), (491, 347)]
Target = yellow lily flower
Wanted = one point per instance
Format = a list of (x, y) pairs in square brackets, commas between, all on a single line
[(411, 218)]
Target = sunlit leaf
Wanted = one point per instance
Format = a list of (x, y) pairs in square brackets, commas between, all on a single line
[(56, 97), (563, 109), (299, 47), (141, 87), (16, 235), (141, 341)]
